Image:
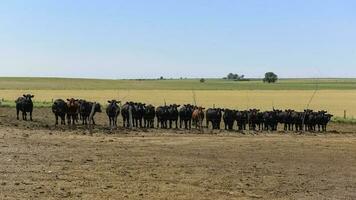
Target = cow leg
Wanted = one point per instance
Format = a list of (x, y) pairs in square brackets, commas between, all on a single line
[(17, 113), (56, 119), (64, 119), (31, 116), (24, 117)]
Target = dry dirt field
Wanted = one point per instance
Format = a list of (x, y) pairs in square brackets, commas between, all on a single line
[(40, 161)]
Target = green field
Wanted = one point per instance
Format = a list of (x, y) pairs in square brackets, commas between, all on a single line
[(173, 84)]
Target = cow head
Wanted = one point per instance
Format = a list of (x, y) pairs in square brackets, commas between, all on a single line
[(73, 102), (28, 97), (114, 102)]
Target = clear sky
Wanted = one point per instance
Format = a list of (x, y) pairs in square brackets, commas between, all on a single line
[(177, 38)]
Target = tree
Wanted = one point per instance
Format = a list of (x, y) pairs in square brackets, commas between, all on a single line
[(161, 78), (270, 77), (202, 80), (235, 77)]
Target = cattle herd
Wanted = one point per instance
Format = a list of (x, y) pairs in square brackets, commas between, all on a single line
[(176, 116)]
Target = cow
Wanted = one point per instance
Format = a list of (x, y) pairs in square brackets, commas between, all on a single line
[(162, 115), (185, 115), (125, 113), (85, 111), (60, 109), (252, 117), (214, 115), (286, 119), (138, 112), (149, 116), (73, 110), (270, 120), (173, 115), (241, 119), (198, 117), (25, 105), (113, 111), (322, 120), (308, 120), (229, 118), (297, 119)]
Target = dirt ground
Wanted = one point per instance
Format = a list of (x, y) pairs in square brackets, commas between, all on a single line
[(41, 161)]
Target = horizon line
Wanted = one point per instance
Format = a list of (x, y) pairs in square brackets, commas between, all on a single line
[(165, 78)]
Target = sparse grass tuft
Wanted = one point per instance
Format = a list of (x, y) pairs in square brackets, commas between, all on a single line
[(344, 121)]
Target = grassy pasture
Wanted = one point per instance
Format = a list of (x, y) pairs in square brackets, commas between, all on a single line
[(174, 84), (335, 101)]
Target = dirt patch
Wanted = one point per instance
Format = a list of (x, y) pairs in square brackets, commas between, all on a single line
[(40, 161)]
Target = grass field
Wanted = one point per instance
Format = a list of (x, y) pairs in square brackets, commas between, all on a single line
[(174, 84), (334, 95)]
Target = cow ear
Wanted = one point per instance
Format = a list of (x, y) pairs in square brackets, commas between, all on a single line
[(109, 101), (32, 96), (68, 100), (178, 105), (24, 95)]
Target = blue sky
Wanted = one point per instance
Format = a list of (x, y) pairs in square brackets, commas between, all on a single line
[(177, 38)]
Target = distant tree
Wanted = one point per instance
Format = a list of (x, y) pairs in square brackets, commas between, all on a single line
[(202, 80), (270, 77), (161, 78), (235, 77)]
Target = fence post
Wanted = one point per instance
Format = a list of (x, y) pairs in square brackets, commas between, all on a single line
[(344, 114)]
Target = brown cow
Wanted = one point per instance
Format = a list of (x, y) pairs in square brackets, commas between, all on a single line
[(73, 110), (198, 117)]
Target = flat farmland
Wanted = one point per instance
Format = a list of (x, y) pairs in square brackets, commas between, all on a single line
[(335, 101), (44, 161)]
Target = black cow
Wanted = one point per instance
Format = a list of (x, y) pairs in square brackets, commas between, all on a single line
[(60, 109), (229, 118), (113, 111), (25, 105), (270, 120), (242, 119), (322, 120), (85, 109), (173, 114), (162, 114), (214, 115), (286, 119), (138, 112), (149, 116), (297, 119), (185, 115), (252, 117)]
